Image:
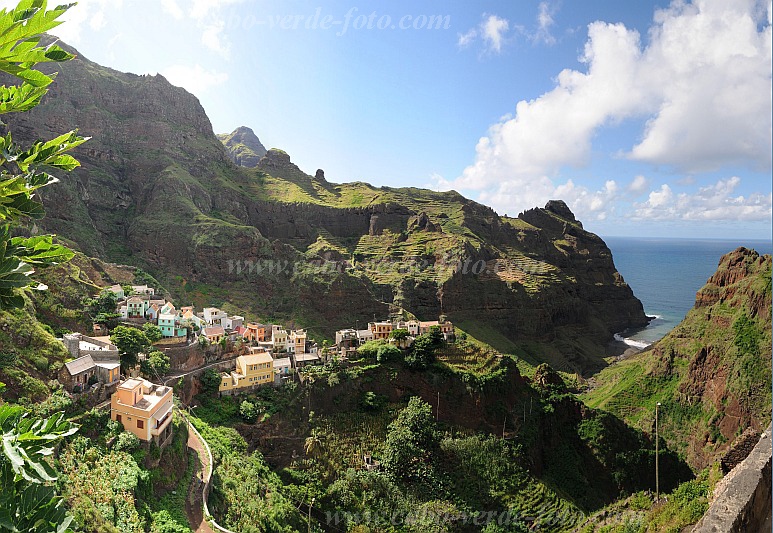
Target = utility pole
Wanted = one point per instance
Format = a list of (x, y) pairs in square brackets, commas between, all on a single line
[(504, 424), (309, 519), (437, 411), (657, 456)]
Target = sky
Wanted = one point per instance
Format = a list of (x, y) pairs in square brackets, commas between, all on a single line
[(647, 118)]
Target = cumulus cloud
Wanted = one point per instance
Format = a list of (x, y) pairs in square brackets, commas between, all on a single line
[(702, 84), (491, 31), (717, 201), (196, 79)]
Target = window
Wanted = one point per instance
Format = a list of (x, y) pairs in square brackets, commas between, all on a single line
[(118, 418), (140, 424)]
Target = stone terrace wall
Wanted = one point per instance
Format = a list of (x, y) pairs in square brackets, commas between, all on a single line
[(742, 500)]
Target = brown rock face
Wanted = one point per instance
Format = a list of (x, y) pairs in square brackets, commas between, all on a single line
[(243, 147)]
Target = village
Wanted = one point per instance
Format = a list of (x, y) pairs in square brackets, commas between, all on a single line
[(260, 354)]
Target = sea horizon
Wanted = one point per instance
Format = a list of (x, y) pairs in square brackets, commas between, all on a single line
[(666, 272)]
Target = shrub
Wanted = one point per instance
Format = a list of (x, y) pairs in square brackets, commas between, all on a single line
[(126, 442), (388, 352), (248, 411)]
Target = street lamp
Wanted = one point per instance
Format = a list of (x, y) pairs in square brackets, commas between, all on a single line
[(657, 465), (309, 519)]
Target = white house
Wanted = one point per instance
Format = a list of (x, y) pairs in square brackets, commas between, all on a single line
[(233, 322), (214, 316)]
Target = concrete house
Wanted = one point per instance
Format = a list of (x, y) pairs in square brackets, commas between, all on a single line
[(279, 339), (380, 330), (169, 322), (251, 371), (145, 409), (346, 338), (144, 290), (364, 335), (233, 322), (214, 316), (136, 307), (117, 290), (214, 334)]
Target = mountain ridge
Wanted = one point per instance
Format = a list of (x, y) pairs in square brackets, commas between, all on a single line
[(157, 190)]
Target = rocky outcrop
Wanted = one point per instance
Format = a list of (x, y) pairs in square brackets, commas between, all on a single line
[(243, 147)]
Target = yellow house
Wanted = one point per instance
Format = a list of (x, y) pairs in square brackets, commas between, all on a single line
[(143, 408), (251, 371), (381, 330)]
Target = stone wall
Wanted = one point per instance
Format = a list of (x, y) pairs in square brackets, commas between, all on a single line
[(742, 499)]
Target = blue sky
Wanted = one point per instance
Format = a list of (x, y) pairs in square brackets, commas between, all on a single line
[(648, 118)]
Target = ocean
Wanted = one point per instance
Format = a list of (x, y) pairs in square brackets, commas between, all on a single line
[(665, 274)]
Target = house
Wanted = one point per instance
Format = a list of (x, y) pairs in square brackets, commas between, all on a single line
[(99, 349), (412, 326), (136, 307), (144, 408), (214, 316), (214, 334), (256, 332), (279, 339), (297, 341), (117, 290), (303, 359), (189, 316), (233, 322), (446, 328), (364, 335), (282, 366), (151, 313), (381, 330), (77, 375), (169, 322), (251, 371), (346, 338), (144, 290)]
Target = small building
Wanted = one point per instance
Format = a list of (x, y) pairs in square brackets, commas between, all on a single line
[(214, 334), (135, 307), (346, 338), (303, 359), (279, 339), (446, 328), (412, 326), (380, 330), (169, 321), (144, 408), (144, 290), (297, 341), (251, 371), (214, 316), (364, 335), (101, 349), (117, 290), (233, 322), (77, 373)]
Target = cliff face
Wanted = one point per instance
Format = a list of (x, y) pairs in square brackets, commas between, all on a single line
[(243, 147), (712, 373), (157, 189)]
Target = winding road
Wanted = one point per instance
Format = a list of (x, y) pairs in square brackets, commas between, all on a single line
[(194, 502)]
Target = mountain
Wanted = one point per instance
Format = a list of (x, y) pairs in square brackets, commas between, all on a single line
[(158, 190), (243, 146), (712, 373)]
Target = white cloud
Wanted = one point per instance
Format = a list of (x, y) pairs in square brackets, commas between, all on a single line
[(196, 79), (86, 12), (171, 7), (715, 202), (491, 31), (213, 39), (702, 84), (544, 23), (639, 185)]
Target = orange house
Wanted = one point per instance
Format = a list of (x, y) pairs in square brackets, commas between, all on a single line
[(255, 333), (143, 408)]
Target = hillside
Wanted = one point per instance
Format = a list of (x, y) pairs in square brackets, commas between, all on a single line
[(712, 373), (243, 147), (157, 190)]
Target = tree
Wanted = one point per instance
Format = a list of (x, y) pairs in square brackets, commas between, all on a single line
[(210, 380), (152, 332), (24, 171), (249, 411), (422, 352), (412, 439), (105, 303), (388, 352), (156, 364), (130, 343), (26, 502), (370, 349), (398, 334), (109, 320)]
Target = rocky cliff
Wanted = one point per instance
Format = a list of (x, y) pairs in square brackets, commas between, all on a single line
[(712, 373), (243, 147), (158, 190)]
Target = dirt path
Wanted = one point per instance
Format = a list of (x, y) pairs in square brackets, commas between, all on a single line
[(193, 503)]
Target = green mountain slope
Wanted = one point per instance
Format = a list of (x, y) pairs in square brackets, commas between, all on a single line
[(243, 147), (157, 190), (712, 373)]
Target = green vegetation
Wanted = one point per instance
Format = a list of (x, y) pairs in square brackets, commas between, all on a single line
[(130, 343)]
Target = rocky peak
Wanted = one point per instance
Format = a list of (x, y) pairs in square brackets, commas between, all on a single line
[(725, 283), (275, 158), (320, 175), (559, 207), (243, 146)]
